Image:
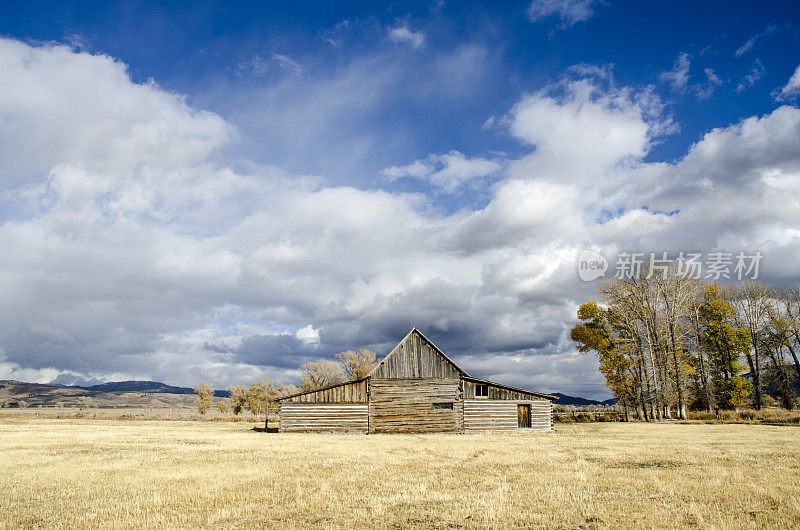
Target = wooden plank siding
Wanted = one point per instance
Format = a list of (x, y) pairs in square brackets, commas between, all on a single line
[(311, 417), (542, 415), (354, 392), (415, 357), (407, 405), (485, 415), (497, 392), (501, 415)]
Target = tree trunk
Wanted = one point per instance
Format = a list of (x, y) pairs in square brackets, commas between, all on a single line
[(756, 379), (678, 382), (794, 357), (704, 376), (649, 401), (652, 349), (676, 367), (658, 406)]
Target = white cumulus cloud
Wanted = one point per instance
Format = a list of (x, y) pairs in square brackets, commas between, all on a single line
[(404, 35), (132, 249)]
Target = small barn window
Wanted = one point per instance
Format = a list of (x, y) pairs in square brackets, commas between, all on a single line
[(448, 406), (481, 390)]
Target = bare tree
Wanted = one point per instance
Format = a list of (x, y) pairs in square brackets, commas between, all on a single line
[(777, 336), (357, 364), (790, 302), (321, 373), (638, 298), (222, 406), (678, 292)]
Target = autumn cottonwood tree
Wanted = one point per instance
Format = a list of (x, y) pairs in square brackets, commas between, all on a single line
[(657, 332), (595, 333), (751, 300), (238, 398), (262, 393), (656, 312), (205, 394), (726, 344), (357, 364)]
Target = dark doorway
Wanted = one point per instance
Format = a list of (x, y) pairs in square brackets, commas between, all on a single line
[(524, 416)]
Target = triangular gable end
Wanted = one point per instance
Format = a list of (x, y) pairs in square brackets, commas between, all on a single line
[(416, 357)]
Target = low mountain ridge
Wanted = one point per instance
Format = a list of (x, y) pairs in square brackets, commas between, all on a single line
[(576, 401), (15, 394), (148, 387)]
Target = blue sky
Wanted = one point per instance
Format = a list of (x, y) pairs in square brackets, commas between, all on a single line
[(200, 49), (240, 187)]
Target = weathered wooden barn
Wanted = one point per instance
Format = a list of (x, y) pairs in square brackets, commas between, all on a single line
[(416, 388)]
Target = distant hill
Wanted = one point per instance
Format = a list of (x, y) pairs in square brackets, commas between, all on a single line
[(564, 399), (150, 387), (44, 394), (18, 394)]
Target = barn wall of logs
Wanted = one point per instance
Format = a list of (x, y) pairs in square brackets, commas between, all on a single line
[(415, 405), (333, 417), (501, 415)]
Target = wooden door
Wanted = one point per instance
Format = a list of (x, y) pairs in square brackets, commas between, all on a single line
[(524, 416)]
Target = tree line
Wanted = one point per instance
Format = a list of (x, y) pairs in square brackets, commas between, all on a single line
[(350, 365), (668, 342)]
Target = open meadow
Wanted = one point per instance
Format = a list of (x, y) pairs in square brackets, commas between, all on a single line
[(109, 473)]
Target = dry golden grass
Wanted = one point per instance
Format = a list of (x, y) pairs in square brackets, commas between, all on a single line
[(769, 415), (129, 413), (84, 473)]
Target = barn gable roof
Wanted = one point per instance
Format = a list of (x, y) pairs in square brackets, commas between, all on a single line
[(401, 350)]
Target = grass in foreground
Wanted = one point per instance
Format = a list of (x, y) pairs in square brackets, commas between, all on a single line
[(80, 473)]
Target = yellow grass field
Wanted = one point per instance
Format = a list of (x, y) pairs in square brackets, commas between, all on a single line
[(155, 474)]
